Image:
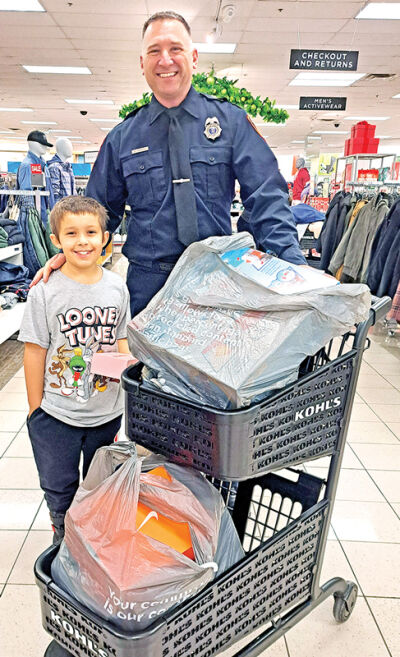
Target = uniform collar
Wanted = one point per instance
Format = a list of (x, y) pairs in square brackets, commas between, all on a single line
[(189, 105)]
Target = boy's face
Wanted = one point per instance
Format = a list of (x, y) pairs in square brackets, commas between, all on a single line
[(81, 239)]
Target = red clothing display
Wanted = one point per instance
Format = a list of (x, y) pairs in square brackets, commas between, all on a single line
[(300, 182)]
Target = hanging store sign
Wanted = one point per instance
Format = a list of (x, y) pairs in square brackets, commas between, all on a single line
[(328, 104), (327, 60)]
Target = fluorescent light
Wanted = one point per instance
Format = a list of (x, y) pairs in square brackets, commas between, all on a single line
[(20, 5), (74, 137), (381, 11), (384, 137), (366, 118), (330, 132), (297, 141), (15, 109), (89, 102), (66, 70), (287, 106), (6, 132), (57, 130), (314, 137), (217, 48), (40, 122), (105, 120), (324, 79), (80, 142), (396, 96), (108, 129)]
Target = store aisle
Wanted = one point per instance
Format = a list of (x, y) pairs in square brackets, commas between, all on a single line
[(364, 543)]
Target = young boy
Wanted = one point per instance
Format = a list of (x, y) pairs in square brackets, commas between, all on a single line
[(82, 309)]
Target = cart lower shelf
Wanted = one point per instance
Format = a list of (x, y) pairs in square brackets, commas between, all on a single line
[(281, 524)]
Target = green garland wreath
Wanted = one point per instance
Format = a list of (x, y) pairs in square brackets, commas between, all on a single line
[(209, 83)]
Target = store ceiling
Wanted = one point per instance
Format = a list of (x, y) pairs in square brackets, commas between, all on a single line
[(105, 36)]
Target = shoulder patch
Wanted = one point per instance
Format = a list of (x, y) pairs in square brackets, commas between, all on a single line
[(135, 111), (210, 97), (254, 126)]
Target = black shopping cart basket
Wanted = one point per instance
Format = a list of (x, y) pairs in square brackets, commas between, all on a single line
[(282, 519)]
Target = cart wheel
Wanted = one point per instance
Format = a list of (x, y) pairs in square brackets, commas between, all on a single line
[(55, 650), (345, 602)]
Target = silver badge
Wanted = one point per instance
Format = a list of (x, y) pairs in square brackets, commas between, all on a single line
[(212, 128)]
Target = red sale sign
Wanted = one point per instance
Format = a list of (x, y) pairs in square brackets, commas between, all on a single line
[(36, 168)]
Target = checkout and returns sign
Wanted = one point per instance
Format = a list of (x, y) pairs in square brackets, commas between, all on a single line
[(324, 60)]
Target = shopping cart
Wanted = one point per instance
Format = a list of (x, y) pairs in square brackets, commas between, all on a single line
[(282, 519)]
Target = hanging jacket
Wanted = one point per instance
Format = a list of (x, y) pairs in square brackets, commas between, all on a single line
[(333, 228), (62, 178), (336, 263), (358, 250), (391, 271), (382, 244), (24, 182)]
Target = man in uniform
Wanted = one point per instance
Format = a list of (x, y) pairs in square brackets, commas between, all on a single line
[(175, 161)]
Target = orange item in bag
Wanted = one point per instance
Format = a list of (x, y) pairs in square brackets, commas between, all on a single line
[(163, 529)]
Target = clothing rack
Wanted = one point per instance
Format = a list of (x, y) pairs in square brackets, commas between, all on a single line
[(37, 193)]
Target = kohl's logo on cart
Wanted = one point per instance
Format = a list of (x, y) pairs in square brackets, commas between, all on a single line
[(317, 408), (77, 636)]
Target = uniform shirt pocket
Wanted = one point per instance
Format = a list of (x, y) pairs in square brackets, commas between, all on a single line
[(144, 177), (212, 170)]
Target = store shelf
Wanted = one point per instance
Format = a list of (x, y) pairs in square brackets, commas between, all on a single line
[(10, 320), (12, 254)]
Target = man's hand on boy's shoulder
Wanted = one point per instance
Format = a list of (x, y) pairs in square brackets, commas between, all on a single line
[(55, 262)]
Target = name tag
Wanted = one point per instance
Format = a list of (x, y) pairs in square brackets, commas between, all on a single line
[(140, 150)]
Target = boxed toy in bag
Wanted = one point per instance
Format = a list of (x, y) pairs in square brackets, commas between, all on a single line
[(232, 323)]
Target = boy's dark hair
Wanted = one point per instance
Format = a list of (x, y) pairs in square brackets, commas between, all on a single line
[(77, 205), (166, 15)]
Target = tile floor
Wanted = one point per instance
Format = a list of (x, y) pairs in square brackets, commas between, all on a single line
[(364, 543)]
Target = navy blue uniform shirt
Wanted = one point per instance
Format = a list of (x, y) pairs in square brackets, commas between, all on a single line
[(133, 167)]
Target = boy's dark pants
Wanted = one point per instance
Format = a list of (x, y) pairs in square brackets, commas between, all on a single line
[(57, 449)]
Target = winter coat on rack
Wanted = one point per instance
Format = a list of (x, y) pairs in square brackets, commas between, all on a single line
[(333, 227), (384, 261), (358, 248), (337, 260)]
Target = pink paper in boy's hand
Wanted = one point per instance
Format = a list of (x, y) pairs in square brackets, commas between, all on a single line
[(111, 363)]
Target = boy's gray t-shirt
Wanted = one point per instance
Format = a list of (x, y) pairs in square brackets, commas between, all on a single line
[(73, 321)]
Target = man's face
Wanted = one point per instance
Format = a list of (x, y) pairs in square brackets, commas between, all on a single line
[(168, 61)]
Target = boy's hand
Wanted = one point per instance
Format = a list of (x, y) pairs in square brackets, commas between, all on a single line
[(55, 262)]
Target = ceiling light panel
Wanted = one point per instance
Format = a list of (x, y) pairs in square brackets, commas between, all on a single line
[(366, 118), (380, 11), (331, 132), (20, 5), (64, 70), (80, 101), (105, 120), (40, 122), (325, 79), (15, 109), (216, 48)]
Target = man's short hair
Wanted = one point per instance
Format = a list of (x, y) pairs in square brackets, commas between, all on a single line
[(164, 16), (77, 205)]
